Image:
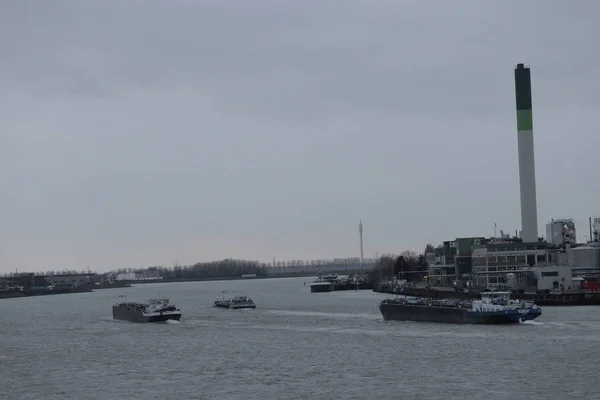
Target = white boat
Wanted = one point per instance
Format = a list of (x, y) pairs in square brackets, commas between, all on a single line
[(236, 302)]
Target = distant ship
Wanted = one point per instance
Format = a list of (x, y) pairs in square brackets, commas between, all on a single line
[(324, 284), (156, 310), (321, 285), (493, 308), (235, 302)]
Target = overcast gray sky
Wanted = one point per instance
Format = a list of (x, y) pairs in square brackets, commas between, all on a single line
[(141, 132)]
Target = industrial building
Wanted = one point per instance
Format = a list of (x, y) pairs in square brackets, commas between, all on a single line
[(543, 277), (489, 262), (484, 261), (561, 232), (70, 280), (524, 262), (595, 230), (451, 260), (499, 256)]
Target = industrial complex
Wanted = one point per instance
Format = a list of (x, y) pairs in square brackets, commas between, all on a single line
[(522, 262)]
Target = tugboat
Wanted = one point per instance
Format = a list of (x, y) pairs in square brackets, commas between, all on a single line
[(156, 310), (493, 308), (235, 302)]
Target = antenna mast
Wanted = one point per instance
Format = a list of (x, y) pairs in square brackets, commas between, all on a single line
[(360, 231)]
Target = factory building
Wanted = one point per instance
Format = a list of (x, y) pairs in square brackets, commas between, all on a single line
[(596, 230), (492, 261), (543, 277), (561, 232)]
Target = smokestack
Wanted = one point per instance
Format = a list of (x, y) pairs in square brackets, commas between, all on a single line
[(591, 237), (529, 223)]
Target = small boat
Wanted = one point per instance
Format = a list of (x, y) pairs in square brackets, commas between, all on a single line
[(235, 302), (155, 310)]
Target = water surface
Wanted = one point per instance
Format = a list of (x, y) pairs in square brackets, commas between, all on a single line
[(295, 345)]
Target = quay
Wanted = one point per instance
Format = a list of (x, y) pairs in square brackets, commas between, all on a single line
[(333, 283), (29, 284)]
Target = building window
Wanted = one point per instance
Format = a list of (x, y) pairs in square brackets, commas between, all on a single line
[(479, 261), (550, 273), (521, 259), (511, 259)]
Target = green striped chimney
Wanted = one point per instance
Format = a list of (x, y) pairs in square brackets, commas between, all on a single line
[(529, 223)]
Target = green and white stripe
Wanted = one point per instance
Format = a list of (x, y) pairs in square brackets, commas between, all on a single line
[(529, 228), (523, 95)]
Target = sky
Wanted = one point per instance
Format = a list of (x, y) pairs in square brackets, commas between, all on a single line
[(148, 132)]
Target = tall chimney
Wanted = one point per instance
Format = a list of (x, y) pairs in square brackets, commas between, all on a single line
[(529, 223)]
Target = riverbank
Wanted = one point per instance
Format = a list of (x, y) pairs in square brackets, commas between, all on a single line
[(11, 294), (222, 278)]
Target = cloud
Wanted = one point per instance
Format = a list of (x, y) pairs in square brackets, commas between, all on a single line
[(136, 125)]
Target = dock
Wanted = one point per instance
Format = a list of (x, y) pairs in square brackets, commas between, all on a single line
[(333, 283)]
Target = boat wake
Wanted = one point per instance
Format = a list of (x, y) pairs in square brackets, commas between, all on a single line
[(325, 314), (532, 323), (172, 321)]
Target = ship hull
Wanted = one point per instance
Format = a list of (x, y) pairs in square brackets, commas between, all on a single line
[(321, 287), (402, 312), (227, 304), (242, 305), (138, 316)]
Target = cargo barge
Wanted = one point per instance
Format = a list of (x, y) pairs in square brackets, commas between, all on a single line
[(494, 308), (156, 310), (566, 298), (236, 302)]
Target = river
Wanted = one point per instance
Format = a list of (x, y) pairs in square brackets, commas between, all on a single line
[(294, 345)]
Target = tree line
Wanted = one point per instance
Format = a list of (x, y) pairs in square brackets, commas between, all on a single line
[(228, 268), (408, 265)]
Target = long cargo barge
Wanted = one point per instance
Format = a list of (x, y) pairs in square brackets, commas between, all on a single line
[(571, 298), (493, 308)]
